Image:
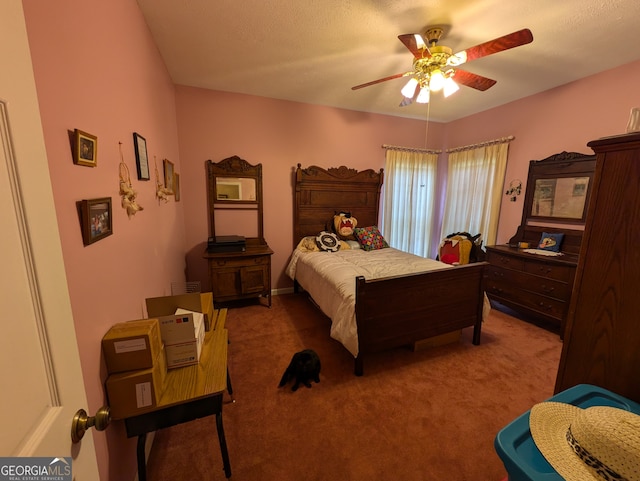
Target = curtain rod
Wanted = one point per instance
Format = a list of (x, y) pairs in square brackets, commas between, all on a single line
[(482, 144), (411, 149)]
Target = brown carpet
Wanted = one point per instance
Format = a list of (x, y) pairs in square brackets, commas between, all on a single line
[(426, 415)]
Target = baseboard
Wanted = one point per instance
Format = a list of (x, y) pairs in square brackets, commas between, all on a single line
[(282, 291)]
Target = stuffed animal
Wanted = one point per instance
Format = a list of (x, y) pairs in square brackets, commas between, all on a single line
[(343, 225), (461, 248)]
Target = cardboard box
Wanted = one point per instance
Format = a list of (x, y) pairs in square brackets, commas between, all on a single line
[(132, 345), (185, 352), (196, 302), (135, 392)]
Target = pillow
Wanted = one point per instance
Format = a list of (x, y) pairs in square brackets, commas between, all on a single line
[(328, 241), (550, 242), (370, 238), (308, 244), (353, 244)]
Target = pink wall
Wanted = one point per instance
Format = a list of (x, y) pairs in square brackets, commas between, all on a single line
[(98, 70), (278, 134), (561, 119)]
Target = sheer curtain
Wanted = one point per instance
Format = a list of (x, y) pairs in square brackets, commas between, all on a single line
[(475, 179), (409, 197)]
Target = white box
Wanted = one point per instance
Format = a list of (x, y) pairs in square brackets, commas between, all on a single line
[(183, 350), (178, 327)]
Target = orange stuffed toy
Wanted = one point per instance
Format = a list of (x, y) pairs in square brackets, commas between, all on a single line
[(343, 225)]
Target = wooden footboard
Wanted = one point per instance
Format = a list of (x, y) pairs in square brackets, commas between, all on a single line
[(398, 311)]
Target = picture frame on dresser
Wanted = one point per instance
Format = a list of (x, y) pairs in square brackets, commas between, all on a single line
[(524, 275)]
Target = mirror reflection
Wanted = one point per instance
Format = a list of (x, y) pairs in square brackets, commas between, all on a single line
[(563, 197), (236, 189)]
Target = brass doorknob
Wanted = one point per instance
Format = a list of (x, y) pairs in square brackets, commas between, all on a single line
[(82, 422)]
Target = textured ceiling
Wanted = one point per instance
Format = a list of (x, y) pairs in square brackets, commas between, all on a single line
[(315, 51)]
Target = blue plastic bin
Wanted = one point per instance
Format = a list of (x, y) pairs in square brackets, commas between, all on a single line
[(519, 454)]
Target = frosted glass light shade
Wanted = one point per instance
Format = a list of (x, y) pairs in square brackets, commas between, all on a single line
[(423, 96), (450, 87), (410, 88)]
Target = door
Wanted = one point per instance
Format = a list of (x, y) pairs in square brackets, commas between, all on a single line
[(39, 361)]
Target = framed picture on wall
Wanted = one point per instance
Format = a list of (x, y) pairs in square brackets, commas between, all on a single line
[(85, 148), (95, 219), (142, 159), (168, 175)]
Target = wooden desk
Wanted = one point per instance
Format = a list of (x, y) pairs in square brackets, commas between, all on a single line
[(190, 393)]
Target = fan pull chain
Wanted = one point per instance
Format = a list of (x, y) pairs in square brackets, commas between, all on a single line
[(426, 129)]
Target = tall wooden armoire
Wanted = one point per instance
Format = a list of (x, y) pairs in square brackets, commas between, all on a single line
[(602, 337)]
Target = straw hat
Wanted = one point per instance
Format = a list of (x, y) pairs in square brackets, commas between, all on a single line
[(596, 443)]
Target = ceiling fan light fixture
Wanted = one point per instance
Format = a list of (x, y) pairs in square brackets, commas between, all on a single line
[(410, 88), (436, 81), (450, 87), (423, 96)]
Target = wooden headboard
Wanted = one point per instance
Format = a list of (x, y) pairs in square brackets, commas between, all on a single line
[(320, 193)]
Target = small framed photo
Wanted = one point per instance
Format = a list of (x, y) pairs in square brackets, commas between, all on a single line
[(168, 175), (95, 219), (176, 186), (142, 159), (85, 148)]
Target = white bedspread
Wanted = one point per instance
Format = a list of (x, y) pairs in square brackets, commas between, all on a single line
[(330, 279)]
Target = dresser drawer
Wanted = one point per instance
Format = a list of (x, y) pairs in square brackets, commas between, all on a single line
[(532, 283), (509, 262), (550, 307), (562, 273), (240, 261)]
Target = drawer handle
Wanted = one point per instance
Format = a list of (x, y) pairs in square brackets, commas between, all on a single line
[(545, 270), (546, 289), (545, 306)]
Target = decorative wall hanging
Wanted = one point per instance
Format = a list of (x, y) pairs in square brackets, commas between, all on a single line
[(126, 190), (85, 148), (514, 190), (162, 193), (142, 159), (95, 219)]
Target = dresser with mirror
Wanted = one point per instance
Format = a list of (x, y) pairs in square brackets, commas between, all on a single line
[(538, 283), (238, 255)]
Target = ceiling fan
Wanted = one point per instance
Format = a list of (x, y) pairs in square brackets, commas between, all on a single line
[(435, 67)]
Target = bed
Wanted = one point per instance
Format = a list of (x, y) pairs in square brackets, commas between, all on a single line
[(389, 311)]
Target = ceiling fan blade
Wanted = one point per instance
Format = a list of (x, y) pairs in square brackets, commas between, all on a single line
[(416, 45), (380, 80), (515, 39), (473, 80)]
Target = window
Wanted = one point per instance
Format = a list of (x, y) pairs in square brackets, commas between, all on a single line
[(475, 179), (409, 199)]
